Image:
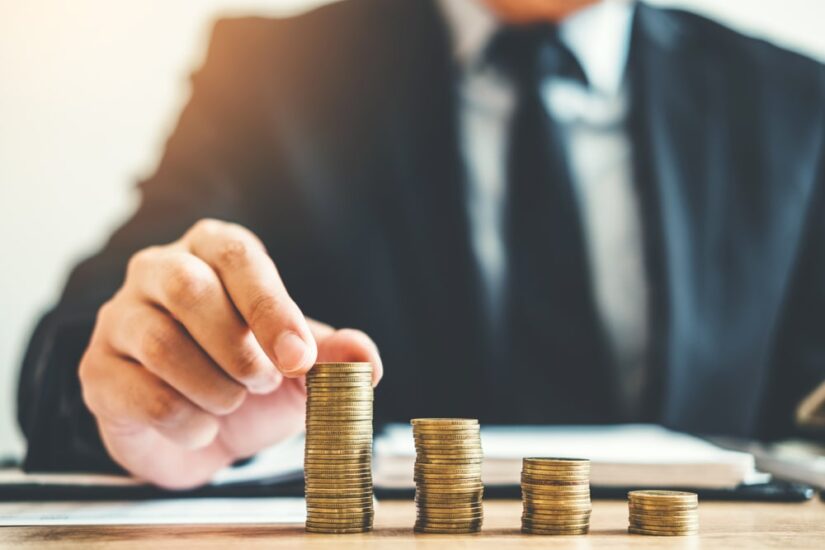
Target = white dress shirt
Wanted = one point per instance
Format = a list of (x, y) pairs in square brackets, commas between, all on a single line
[(600, 156)]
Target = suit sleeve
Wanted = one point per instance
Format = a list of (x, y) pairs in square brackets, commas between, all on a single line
[(207, 170), (799, 365)]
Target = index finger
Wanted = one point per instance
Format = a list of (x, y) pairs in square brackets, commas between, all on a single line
[(253, 284)]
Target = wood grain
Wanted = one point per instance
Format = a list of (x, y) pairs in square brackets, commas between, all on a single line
[(726, 525)]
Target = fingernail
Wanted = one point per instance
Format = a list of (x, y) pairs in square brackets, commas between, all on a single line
[(290, 352), (267, 383)]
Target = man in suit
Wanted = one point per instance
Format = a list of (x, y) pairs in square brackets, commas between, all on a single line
[(555, 211)]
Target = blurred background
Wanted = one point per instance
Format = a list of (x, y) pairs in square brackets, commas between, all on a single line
[(89, 91)]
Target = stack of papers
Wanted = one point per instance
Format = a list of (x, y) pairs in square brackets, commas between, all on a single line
[(192, 511), (634, 455)]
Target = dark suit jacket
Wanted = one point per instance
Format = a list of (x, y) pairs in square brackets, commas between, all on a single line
[(332, 135)]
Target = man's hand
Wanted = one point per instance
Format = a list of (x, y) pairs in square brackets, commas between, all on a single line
[(198, 360)]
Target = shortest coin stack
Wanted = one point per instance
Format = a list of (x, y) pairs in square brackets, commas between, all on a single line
[(338, 452), (448, 488), (663, 513), (556, 496)]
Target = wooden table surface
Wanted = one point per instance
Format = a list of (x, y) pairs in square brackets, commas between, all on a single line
[(722, 525)]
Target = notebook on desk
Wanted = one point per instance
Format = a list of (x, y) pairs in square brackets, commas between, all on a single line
[(623, 457)]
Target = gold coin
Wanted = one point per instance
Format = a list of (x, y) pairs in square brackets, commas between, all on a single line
[(340, 447), (447, 460), (555, 521), (330, 420), (327, 531), (455, 513), (322, 377), (323, 523), (459, 441), (357, 492), (447, 531), (338, 464), (666, 526), (556, 532), (362, 393), (545, 488), (337, 516), (443, 515), (354, 396), (558, 505), (458, 458), (553, 479), (670, 533), (675, 516), (452, 454), (660, 495), (439, 531), (546, 473), (356, 431), (456, 452), (319, 403), (444, 421), (473, 505), (446, 438), (447, 490), (456, 445), (352, 524), (540, 523), (555, 528), (554, 465), (365, 446), (332, 468), (655, 508), (444, 469), (340, 423), (341, 366), (444, 522), (455, 438), (332, 504), (435, 489), (337, 519), (554, 461), (559, 498), (556, 514), (366, 477), (546, 479), (344, 486), (447, 467), (339, 441), (362, 502), (434, 501), (455, 478), (357, 450), (346, 410), (339, 510)]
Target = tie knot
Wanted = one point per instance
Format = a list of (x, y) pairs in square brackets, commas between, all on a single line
[(530, 53)]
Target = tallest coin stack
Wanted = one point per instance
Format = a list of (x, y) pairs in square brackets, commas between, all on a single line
[(338, 453)]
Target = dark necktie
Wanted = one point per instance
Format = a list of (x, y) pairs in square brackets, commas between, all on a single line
[(552, 342)]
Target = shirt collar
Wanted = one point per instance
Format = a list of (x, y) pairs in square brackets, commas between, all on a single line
[(472, 25)]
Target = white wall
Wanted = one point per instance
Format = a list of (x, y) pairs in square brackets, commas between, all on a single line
[(89, 90)]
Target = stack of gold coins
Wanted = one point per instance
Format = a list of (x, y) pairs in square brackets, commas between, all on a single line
[(338, 452), (448, 488), (556, 496), (663, 513)]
